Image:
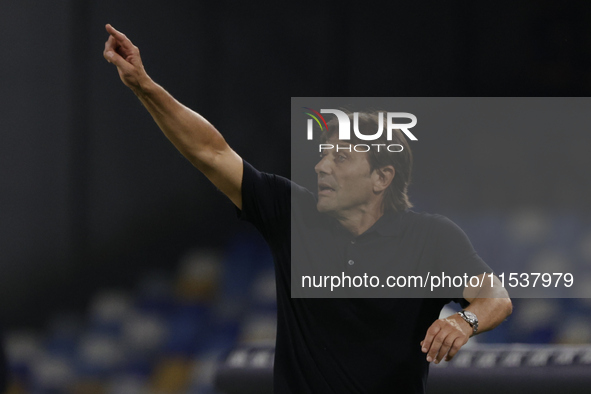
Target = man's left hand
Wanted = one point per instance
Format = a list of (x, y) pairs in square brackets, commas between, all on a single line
[(445, 337)]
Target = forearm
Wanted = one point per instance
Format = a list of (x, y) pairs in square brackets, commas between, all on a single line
[(196, 138), (490, 312), (490, 304)]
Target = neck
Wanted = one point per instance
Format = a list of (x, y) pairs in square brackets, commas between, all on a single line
[(360, 220)]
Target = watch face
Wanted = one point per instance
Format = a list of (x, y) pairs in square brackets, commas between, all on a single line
[(470, 316), (471, 319)]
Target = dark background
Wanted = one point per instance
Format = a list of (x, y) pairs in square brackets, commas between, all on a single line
[(91, 192)]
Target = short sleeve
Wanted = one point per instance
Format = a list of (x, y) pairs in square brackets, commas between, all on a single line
[(265, 201), (454, 253)]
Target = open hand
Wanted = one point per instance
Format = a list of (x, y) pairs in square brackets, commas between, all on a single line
[(445, 337)]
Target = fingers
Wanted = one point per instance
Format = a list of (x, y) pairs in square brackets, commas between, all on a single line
[(457, 345), (110, 45), (436, 344), (119, 37), (110, 53), (428, 341), (113, 57), (443, 339), (446, 344)]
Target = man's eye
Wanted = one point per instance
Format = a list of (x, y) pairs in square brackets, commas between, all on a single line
[(341, 158)]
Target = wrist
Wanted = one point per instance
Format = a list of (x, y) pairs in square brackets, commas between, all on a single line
[(470, 319), (144, 86), (464, 325)]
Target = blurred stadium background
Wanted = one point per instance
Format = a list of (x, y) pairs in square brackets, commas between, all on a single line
[(124, 271)]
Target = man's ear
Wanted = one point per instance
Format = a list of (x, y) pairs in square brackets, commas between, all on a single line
[(384, 177)]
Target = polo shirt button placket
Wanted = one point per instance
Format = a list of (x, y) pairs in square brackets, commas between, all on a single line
[(351, 262)]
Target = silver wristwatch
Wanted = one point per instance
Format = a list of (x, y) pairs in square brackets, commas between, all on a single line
[(471, 319)]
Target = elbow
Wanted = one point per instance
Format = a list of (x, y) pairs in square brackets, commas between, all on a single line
[(505, 301), (508, 306)]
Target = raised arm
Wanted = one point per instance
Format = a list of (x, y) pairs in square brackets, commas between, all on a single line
[(196, 138)]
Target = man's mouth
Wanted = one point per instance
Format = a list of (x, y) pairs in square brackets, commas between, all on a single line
[(324, 189)]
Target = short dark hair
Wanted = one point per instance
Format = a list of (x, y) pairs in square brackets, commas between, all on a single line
[(396, 195)]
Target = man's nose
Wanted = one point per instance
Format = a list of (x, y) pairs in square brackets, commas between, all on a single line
[(323, 166)]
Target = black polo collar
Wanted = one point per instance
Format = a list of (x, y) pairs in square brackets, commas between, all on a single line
[(389, 225)]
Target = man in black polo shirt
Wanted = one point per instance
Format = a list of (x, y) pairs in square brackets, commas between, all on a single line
[(335, 345)]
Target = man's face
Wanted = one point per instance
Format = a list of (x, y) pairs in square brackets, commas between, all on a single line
[(345, 183)]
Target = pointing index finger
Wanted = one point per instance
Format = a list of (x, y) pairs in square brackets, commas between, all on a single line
[(119, 37)]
